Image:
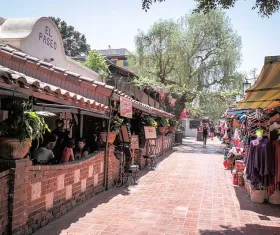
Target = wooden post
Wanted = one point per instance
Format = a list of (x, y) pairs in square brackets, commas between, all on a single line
[(81, 125)]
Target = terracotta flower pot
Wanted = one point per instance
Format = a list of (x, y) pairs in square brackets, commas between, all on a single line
[(161, 129), (111, 137), (12, 148), (171, 129)]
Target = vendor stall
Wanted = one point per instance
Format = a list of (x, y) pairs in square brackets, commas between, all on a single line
[(259, 137)]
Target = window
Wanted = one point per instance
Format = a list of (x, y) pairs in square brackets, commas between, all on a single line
[(125, 63), (194, 124)]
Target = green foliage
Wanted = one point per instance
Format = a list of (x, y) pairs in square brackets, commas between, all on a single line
[(23, 123), (163, 122), (214, 104), (148, 121), (97, 63), (144, 82), (259, 187), (198, 53), (74, 42), (264, 7), (156, 54), (116, 123), (173, 122)]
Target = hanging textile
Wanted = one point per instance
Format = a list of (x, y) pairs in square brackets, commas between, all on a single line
[(260, 164), (276, 154)]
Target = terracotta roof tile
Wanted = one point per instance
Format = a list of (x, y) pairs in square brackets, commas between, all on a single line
[(32, 58), (9, 76), (7, 48), (20, 53), (72, 74)]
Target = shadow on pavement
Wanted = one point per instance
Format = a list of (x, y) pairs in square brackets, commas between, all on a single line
[(57, 226), (265, 210), (248, 229)]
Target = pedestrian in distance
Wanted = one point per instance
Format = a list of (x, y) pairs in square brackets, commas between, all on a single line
[(205, 133), (212, 132)]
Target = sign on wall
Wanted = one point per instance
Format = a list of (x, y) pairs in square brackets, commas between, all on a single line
[(150, 132), (134, 142), (45, 36), (125, 107)]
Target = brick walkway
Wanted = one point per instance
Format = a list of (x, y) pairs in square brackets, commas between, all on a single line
[(189, 193)]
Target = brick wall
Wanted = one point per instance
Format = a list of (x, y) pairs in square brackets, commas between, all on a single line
[(54, 190), (32, 196), (113, 168), (4, 194)]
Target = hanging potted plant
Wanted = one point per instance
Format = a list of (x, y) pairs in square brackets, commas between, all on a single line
[(258, 193), (18, 130), (163, 123), (149, 121), (173, 124), (115, 127)]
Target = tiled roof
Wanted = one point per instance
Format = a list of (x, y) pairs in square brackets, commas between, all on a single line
[(13, 80), (18, 56), (144, 107), (36, 85)]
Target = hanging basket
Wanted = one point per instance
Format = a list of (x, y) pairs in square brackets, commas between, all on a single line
[(12, 148), (171, 129), (257, 196), (275, 198), (111, 137)]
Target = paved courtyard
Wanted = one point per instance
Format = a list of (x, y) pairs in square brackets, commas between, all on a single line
[(188, 193)]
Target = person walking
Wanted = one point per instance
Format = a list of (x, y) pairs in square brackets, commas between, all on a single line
[(205, 133), (212, 132)]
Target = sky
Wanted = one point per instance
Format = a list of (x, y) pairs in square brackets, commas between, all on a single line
[(116, 22)]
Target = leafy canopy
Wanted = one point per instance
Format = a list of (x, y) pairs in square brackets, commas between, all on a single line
[(265, 7), (74, 42), (98, 63), (185, 58)]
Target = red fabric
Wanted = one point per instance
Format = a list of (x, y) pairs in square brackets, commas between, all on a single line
[(226, 164), (66, 155)]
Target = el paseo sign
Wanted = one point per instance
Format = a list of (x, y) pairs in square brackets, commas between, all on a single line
[(46, 38)]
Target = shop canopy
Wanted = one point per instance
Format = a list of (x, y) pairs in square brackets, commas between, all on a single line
[(265, 93), (237, 113)]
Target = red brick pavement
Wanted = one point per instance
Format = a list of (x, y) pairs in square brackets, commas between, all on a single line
[(189, 193)]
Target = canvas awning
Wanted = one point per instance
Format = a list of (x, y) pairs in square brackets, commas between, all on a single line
[(265, 93)]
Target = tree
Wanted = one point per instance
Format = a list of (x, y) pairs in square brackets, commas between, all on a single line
[(74, 42), (98, 63), (265, 7), (185, 58), (156, 50)]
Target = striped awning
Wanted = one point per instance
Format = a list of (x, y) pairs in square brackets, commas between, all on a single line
[(265, 93)]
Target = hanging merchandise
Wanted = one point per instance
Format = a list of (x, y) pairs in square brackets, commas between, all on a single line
[(255, 157), (260, 164)]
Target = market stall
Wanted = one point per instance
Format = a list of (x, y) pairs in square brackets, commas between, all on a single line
[(258, 137)]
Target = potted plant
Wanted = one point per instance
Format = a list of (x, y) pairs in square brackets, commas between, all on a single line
[(173, 124), (163, 123), (19, 129), (115, 127), (258, 193), (149, 121)]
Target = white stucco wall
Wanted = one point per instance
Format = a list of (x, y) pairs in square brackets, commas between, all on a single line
[(41, 38), (189, 132)]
